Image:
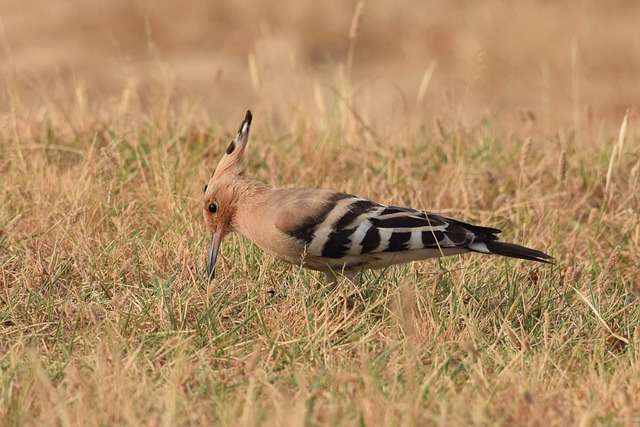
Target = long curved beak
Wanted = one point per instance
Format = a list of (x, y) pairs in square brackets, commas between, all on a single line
[(216, 238)]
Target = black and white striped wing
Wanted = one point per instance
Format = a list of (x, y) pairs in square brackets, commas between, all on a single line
[(353, 226), (357, 232)]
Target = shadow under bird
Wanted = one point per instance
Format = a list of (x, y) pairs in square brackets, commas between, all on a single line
[(333, 232)]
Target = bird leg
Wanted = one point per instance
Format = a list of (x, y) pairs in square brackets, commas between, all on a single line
[(331, 278), (354, 277)]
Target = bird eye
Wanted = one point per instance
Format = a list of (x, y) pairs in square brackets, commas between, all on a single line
[(213, 207)]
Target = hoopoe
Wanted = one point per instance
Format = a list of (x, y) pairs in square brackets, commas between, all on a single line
[(332, 232)]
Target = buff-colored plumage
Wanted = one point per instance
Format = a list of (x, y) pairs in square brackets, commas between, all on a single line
[(332, 232)]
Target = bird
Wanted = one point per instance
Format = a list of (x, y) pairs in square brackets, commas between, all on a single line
[(333, 232)]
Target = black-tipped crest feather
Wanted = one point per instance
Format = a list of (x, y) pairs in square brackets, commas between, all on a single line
[(231, 147), (233, 160), (247, 120)]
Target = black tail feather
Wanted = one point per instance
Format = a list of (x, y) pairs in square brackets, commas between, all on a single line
[(517, 251)]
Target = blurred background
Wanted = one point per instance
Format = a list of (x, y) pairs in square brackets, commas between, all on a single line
[(546, 64)]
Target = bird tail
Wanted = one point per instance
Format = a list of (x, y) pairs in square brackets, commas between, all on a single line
[(511, 250)]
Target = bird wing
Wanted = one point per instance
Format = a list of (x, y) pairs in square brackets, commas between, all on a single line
[(339, 225)]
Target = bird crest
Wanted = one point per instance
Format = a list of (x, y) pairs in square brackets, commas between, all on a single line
[(232, 162)]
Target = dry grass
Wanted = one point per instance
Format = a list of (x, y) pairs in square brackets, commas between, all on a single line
[(106, 317)]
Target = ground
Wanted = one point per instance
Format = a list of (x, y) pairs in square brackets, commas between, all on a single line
[(520, 116)]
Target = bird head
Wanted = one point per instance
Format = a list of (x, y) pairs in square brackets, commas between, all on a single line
[(219, 194)]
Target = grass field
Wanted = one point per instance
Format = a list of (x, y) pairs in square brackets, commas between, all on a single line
[(106, 317)]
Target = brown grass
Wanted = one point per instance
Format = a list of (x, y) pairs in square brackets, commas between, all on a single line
[(115, 113)]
